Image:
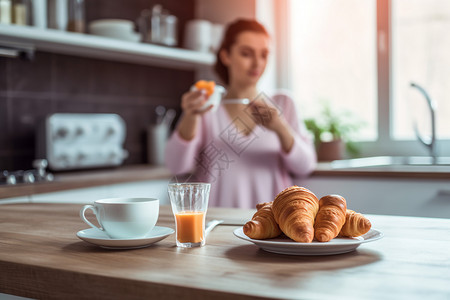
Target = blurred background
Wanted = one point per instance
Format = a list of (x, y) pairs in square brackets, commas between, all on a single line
[(356, 59)]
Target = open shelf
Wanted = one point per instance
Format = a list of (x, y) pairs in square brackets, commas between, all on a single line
[(57, 41)]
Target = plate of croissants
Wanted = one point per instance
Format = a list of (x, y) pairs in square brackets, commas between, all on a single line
[(296, 222)]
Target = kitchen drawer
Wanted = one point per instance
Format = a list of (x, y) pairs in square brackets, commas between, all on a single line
[(402, 197)]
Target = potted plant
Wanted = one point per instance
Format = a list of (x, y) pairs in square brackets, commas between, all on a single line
[(332, 133)]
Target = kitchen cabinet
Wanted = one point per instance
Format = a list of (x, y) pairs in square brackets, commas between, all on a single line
[(387, 196)]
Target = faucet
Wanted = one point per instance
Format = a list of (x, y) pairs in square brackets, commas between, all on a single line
[(430, 143)]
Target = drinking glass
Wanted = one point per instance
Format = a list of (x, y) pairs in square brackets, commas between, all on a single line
[(189, 204)]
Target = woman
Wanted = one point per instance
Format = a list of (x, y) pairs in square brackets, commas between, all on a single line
[(249, 152)]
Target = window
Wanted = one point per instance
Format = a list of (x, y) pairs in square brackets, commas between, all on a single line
[(334, 59), (420, 54), (362, 56)]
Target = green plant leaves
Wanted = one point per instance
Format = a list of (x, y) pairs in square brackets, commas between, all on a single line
[(333, 124)]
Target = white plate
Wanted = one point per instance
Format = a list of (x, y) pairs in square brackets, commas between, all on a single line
[(284, 245), (99, 238)]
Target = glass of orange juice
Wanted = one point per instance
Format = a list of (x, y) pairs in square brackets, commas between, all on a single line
[(189, 204)]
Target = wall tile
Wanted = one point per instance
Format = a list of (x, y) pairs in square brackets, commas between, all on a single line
[(136, 155), (31, 76), (77, 107), (5, 162), (112, 9), (4, 133), (167, 83), (3, 72), (72, 75), (21, 160), (29, 90), (128, 80), (24, 115), (118, 79)]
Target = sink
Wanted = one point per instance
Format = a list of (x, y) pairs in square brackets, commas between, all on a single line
[(376, 161)]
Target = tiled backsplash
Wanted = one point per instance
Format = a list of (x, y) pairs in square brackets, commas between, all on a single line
[(58, 83), (30, 90)]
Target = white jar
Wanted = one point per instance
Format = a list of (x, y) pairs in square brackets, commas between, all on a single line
[(57, 14), (198, 35), (40, 13), (5, 12)]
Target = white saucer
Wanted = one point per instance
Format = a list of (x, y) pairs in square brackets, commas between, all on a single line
[(284, 245), (99, 238)]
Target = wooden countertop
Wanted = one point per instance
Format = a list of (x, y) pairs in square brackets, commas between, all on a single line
[(41, 257), (91, 178), (85, 179), (392, 171)]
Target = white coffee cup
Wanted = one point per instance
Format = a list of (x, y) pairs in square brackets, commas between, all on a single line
[(124, 218), (214, 99)]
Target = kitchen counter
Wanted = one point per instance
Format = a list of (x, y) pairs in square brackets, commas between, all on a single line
[(41, 257), (389, 171), (91, 178), (87, 178)]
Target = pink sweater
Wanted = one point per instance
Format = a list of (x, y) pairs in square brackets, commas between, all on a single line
[(243, 169)]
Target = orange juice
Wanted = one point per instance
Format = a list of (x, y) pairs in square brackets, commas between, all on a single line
[(190, 226)]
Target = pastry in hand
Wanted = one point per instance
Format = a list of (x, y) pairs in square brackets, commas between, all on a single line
[(295, 209), (208, 86), (330, 218), (262, 225), (355, 224)]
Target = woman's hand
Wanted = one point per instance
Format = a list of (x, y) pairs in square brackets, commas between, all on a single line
[(192, 102), (265, 114)]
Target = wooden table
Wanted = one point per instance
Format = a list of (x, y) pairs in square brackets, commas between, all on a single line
[(41, 257)]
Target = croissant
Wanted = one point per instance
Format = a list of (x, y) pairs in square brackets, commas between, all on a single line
[(295, 209), (355, 224), (262, 225), (330, 218)]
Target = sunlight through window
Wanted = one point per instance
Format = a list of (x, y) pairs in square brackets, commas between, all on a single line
[(334, 60)]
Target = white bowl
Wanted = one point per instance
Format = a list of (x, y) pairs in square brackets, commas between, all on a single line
[(130, 37), (115, 28), (111, 24)]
